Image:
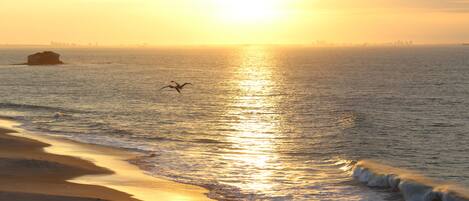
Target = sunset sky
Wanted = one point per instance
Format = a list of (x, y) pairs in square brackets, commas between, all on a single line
[(195, 22)]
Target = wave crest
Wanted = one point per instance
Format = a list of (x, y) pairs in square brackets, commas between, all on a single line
[(413, 187), (31, 107)]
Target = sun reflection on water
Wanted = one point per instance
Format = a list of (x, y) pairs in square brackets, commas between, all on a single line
[(255, 127)]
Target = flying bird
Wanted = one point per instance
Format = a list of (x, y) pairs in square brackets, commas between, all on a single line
[(178, 86)]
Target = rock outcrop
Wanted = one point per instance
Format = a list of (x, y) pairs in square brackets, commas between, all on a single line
[(44, 58)]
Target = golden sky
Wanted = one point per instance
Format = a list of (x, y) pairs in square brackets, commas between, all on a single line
[(194, 22)]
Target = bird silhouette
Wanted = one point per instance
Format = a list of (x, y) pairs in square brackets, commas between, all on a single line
[(178, 87)]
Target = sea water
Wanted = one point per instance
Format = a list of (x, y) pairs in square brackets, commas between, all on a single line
[(257, 123)]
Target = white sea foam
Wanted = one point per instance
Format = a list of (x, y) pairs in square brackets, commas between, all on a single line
[(411, 185)]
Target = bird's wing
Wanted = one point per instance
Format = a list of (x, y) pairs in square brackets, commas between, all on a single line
[(185, 84), (169, 86)]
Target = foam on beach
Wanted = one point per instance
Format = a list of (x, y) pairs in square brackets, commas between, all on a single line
[(411, 185), (117, 174)]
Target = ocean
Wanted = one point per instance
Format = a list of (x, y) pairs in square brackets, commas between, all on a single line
[(258, 122)]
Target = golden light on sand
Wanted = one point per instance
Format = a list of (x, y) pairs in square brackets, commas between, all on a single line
[(249, 11)]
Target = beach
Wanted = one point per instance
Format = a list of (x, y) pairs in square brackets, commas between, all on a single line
[(39, 168)]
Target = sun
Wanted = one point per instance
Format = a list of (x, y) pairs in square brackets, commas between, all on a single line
[(248, 11)]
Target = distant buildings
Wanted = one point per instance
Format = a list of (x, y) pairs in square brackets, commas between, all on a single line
[(398, 43), (403, 43), (65, 44)]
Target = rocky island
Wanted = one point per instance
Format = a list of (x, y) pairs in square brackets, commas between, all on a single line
[(44, 58)]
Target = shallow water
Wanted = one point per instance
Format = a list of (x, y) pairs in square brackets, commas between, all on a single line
[(258, 122)]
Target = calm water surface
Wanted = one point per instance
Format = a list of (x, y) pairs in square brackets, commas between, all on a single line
[(258, 123)]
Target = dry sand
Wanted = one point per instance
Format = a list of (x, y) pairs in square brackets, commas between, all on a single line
[(39, 168)]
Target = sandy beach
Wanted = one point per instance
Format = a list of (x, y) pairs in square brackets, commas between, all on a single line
[(39, 168)]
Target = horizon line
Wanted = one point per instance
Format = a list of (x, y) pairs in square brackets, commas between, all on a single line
[(398, 43)]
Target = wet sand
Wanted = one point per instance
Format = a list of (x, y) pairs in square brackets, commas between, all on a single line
[(40, 168)]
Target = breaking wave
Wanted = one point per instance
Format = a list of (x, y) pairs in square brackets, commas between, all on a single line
[(20, 106), (412, 186)]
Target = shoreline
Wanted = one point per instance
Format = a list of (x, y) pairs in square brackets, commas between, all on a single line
[(54, 168)]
